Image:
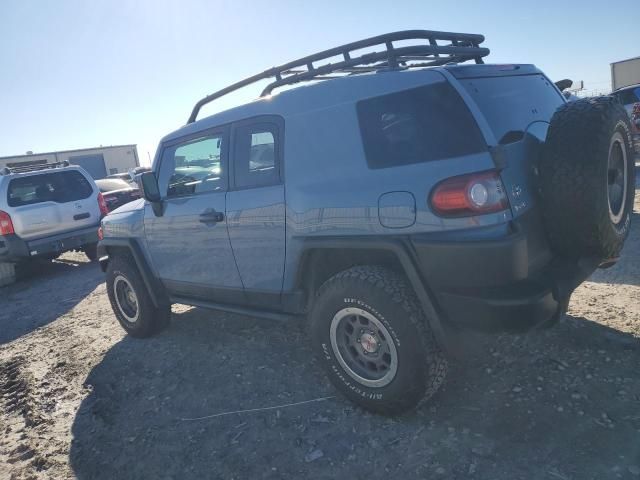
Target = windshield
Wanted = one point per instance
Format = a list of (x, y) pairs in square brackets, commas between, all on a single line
[(629, 96)]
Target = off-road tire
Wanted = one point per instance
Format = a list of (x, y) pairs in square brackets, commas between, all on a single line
[(150, 319), (421, 366), (91, 251), (574, 173)]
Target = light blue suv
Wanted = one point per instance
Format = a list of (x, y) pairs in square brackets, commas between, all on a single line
[(399, 196)]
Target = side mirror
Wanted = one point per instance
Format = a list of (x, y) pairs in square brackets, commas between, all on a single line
[(149, 184)]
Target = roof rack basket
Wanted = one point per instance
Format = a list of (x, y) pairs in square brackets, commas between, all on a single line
[(33, 168), (424, 51)]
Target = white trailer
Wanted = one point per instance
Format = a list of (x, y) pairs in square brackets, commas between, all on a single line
[(625, 73)]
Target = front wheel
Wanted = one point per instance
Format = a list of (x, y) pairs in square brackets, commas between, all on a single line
[(373, 339), (131, 301)]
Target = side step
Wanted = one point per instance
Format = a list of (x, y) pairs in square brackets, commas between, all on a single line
[(251, 312)]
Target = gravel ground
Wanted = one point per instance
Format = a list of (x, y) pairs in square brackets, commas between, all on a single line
[(78, 399)]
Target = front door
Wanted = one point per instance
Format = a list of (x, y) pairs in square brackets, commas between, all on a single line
[(189, 242)]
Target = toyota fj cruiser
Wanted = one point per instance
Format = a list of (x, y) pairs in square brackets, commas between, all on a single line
[(402, 195)]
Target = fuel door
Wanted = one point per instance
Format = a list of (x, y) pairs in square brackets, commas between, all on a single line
[(397, 209)]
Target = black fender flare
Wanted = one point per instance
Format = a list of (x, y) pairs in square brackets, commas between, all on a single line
[(402, 249), (154, 286)]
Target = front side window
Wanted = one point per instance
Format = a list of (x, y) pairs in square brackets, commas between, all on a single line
[(58, 187), (256, 155), (196, 166), (418, 125)]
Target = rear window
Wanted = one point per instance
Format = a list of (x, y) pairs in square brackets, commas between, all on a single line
[(417, 125), (511, 103), (59, 187), (111, 184)]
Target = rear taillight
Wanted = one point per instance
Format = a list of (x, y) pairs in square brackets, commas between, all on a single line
[(102, 204), (474, 194), (6, 225), (100, 233)]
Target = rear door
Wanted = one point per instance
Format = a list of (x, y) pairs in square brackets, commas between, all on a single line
[(517, 102), (256, 208), (51, 203), (189, 242)]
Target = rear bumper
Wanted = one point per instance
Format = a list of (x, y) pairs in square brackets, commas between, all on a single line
[(506, 284), (15, 249)]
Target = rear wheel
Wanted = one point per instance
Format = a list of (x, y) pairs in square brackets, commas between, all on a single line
[(131, 301), (374, 341)]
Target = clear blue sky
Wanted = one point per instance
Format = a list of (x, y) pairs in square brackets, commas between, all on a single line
[(81, 73)]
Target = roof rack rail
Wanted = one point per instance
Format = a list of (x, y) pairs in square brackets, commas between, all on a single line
[(33, 168), (460, 48)]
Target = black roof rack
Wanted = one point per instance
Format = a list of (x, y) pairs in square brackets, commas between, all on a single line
[(426, 52), (33, 168)]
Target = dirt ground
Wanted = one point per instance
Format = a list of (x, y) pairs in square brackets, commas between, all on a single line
[(78, 399)]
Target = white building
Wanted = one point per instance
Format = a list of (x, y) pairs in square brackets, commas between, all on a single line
[(99, 162), (625, 73)]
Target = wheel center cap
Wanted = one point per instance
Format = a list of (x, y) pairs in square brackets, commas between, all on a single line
[(369, 343), (131, 298)]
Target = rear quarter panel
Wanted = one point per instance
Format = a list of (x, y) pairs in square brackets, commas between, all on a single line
[(330, 191)]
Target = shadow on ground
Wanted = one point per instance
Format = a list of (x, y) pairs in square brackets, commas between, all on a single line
[(33, 302), (556, 404)]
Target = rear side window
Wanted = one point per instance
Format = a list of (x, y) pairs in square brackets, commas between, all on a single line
[(59, 187), (418, 125)]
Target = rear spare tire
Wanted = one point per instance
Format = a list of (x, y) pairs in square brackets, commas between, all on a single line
[(587, 179)]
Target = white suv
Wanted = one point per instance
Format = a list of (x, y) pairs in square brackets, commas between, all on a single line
[(47, 210)]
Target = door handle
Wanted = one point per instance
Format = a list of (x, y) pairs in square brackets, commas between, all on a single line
[(210, 215)]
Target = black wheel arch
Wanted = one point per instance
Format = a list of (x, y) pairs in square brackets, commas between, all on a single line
[(109, 247), (321, 258)]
